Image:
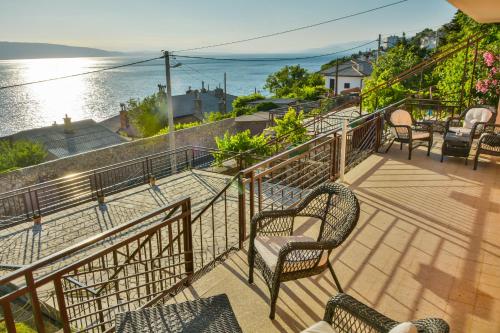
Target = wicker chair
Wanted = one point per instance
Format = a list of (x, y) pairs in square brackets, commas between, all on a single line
[(406, 130), (282, 255), (489, 142), (346, 314), (471, 121)]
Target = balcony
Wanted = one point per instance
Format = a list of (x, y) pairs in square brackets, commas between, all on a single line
[(425, 245)]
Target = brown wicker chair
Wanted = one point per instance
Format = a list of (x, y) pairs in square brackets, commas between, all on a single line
[(282, 256), (406, 130), (346, 314), (471, 121), (489, 142)]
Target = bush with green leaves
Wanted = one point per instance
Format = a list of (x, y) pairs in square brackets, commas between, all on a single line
[(296, 82), (395, 61), (20, 154), (266, 106), (244, 100), (149, 115), (216, 116), (179, 126), (292, 127), (239, 143)]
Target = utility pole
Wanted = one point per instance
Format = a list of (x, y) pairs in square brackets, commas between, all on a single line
[(225, 93), (170, 113), (337, 77), (379, 44)]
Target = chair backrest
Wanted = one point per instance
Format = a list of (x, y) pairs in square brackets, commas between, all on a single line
[(477, 114), (397, 118), (401, 117), (336, 206)]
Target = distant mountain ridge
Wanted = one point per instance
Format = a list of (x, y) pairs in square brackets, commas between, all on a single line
[(19, 50)]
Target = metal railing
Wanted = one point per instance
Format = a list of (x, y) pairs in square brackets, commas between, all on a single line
[(282, 180), (325, 105), (42, 199), (135, 266)]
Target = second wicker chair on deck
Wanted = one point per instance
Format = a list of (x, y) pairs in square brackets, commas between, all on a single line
[(282, 255)]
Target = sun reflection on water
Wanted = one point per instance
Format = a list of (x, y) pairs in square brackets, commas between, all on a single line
[(54, 99)]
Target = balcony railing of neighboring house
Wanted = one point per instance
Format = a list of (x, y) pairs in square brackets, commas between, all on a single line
[(137, 264), (42, 199), (326, 105)]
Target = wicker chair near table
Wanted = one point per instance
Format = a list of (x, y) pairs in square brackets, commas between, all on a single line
[(346, 314), (489, 142), (406, 130), (471, 121), (282, 255)]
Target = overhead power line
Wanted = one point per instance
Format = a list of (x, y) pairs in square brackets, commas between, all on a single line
[(226, 43), (293, 29), (274, 59), (83, 73)]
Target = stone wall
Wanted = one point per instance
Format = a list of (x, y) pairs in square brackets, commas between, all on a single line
[(202, 136)]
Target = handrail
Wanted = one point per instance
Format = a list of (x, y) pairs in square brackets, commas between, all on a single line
[(85, 243), (217, 196), (427, 62)]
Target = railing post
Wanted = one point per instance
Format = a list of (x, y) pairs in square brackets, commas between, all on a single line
[(252, 194), (188, 238), (378, 125), (241, 211), (61, 304), (333, 151), (8, 317), (35, 303), (343, 146)]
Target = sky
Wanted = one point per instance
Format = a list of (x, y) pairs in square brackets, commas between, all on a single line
[(154, 25)]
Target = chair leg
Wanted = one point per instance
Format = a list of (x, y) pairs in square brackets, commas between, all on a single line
[(429, 148), (274, 297), (476, 160), (410, 148), (390, 145), (251, 261), (337, 283), (401, 146)]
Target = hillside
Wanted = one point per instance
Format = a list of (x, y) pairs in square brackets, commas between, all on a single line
[(14, 50)]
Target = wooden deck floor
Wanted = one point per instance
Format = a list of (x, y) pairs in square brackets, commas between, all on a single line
[(427, 244)]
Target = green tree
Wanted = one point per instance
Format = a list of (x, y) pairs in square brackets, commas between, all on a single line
[(292, 126), (20, 154), (295, 82), (149, 115), (392, 63), (449, 73), (239, 143)]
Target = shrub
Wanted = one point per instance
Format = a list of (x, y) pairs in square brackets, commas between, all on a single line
[(244, 100), (292, 126), (20, 154), (149, 116), (216, 116), (266, 106), (178, 127), (241, 142)]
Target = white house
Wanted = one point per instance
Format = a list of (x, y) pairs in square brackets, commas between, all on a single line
[(351, 75)]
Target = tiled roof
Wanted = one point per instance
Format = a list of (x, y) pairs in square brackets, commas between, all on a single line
[(355, 68), (87, 135)]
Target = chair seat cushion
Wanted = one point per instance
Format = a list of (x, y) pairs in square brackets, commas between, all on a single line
[(477, 114), (463, 130), (418, 135), (269, 248), (320, 327), (405, 327)]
